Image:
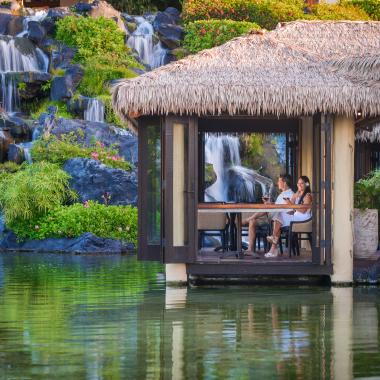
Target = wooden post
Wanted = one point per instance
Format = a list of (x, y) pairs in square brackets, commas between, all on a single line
[(343, 199)]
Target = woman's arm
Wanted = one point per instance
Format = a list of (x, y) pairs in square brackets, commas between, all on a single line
[(307, 200)]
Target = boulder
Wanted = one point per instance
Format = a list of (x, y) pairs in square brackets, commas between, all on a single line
[(170, 35), (36, 32), (62, 55), (174, 13), (18, 127), (108, 134), (75, 72), (103, 9), (86, 243), (62, 88), (83, 8), (49, 25), (16, 154), (11, 25), (57, 13), (91, 179), (33, 84), (128, 18), (5, 140)]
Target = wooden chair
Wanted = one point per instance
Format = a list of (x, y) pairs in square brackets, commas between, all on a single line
[(297, 231), (212, 224)]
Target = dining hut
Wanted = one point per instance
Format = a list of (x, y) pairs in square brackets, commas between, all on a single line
[(215, 129)]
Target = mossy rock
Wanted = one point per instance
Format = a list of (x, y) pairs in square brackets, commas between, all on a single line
[(131, 26)]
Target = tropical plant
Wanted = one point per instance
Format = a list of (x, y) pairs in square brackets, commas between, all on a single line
[(205, 34), (371, 7), (59, 150), (116, 222), (33, 191), (367, 192)]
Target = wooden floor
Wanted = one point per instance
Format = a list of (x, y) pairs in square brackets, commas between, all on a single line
[(208, 255)]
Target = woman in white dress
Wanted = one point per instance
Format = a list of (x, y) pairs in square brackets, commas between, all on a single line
[(301, 197)]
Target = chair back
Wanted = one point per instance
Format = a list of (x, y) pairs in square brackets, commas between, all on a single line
[(305, 227), (209, 221)]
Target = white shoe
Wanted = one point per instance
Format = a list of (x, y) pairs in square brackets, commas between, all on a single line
[(271, 254)]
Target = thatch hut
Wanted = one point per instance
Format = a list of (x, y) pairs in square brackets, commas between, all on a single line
[(312, 80)]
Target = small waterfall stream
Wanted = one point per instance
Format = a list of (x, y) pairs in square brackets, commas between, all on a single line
[(36, 16), (27, 146), (234, 182), (17, 55), (142, 40), (94, 111)]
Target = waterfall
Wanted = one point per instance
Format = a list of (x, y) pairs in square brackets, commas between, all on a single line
[(27, 146), (17, 55), (94, 111), (234, 182), (142, 41), (36, 16)]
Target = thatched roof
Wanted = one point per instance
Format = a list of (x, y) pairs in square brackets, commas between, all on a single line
[(298, 69)]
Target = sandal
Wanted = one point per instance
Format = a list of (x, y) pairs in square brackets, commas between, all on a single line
[(272, 239)]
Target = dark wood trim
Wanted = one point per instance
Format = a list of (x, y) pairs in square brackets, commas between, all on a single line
[(232, 269), (145, 251), (367, 123)]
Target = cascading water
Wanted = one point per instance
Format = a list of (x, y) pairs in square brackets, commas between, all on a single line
[(142, 41), (94, 111), (27, 146), (36, 16), (17, 55), (234, 182)]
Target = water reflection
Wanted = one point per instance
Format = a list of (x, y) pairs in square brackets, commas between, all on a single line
[(83, 317)]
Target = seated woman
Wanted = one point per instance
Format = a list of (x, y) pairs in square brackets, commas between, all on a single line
[(301, 197)]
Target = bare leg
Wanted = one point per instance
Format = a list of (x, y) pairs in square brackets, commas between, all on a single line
[(276, 233), (251, 234)]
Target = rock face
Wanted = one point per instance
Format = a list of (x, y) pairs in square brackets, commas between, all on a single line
[(36, 32), (91, 179), (17, 127), (108, 134), (103, 9), (86, 243), (62, 88), (10, 25), (16, 154)]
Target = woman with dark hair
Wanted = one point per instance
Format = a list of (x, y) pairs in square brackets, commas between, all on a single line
[(301, 197)]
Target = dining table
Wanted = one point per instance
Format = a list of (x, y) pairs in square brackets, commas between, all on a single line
[(235, 210)]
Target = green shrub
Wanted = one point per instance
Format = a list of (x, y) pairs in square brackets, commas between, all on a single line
[(116, 222), (33, 191), (58, 151), (206, 34), (367, 191), (9, 167), (92, 37), (99, 71), (266, 13), (325, 11), (371, 7), (109, 114), (36, 108), (138, 7)]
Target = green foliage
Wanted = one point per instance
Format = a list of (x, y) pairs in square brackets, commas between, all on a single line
[(205, 34), (137, 7), (325, 11), (38, 107), (58, 151), (116, 222), (33, 191), (367, 192), (9, 167), (371, 7), (92, 37), (99, 71), (109, 113), (268, 13), (21, 86), (46, 86)]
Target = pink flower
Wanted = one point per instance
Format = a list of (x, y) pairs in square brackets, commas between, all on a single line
[(86, 204), (115, 158), (95, 155)]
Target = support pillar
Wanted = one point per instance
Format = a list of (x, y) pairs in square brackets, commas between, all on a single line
[(343, 200), (176, 273)]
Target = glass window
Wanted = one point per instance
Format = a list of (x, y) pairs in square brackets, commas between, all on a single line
[(154, 185)]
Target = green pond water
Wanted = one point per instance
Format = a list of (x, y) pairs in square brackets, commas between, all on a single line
[(94, 317)]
